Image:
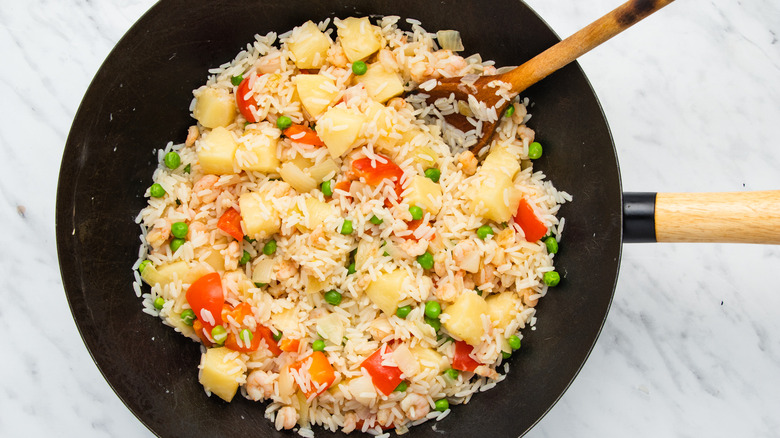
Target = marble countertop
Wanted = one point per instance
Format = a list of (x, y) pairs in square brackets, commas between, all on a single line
[(691, 346)]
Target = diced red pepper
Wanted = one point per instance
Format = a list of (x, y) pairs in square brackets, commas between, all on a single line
[(198, 326), (462, 360), (230, 222), (320, 370), (289, 345), (533, 228), (243, 103), (239, 313), (344, 185), (206, 293), (303, 134), (362, 167), (265, 333), (385, 378)]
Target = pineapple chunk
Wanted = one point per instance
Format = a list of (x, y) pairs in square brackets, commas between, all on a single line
[(286, 384), (318, 212), (383, 116), (359, 38), (363, 390), (260, 218), (339, 128), (501, 160), (316, 92), (301, 162), (216, 152), (314, 285), (381, 84), (325, 169), (465, 321), (214, 108), (330, 328), (166, 273), (259, 153), (430, 359), (502, 308), (419, 193), (286, 321), (218, 375), (424, 155), (309, 45), (386, 290), (294, 176), (488, 200)]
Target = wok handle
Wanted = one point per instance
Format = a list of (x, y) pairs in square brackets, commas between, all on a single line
[(737, 217)]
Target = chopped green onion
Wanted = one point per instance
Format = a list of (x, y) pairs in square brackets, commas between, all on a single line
[(246, 336), (509, 111), (351, 269), (401, 386), (506, 355), (188, 168), (259, 285), (277, 336), (375, 220)]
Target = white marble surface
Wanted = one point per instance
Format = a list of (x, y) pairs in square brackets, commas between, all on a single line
[(691, 347)]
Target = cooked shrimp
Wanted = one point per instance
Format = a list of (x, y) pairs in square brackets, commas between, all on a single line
[(415, 406), (380, 328), (232, 253), (486, 371), (466, 255), (527, 300), (260, 385), (202, 192), (450, 64), (526, 134), (468, 163), (286, 418), (384, 417), (519, 114), (160, 233), (445, 291), (192, 135), (489, 70), (269, 63), (486, 274), (350, 422), (413, 248), (336, 56), (397, 103), (285, 270), (387, 59), (194, 229)]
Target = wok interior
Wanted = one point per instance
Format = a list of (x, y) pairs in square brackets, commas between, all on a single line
[(138, 101)]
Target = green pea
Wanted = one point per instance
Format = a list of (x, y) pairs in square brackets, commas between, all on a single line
[(534, 150), (551, 244), (283, 122), (188, 168), (219, 334), (245, 257), (479, 292), (351, 269), (143, 266), (333, 297), (176, 244), (514, 342), (359, 68), (270, 247), (425, 260), (551, 278), (433, 322), (509, 111), (506, 355), (403, 311), (156, 191), (246, 336), (433, 174), (375, 220), (159, 302), (484, 231), (417, 212), (249, 239), (172, 160), (442, 404), (179, 229), (401, 386), (236, 80), (452, 373), (326, 189), (346, 227), (318, 345), (432, 309), (277, 336), (188, 316), (261, 284)]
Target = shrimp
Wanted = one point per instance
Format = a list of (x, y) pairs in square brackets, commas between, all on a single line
[(486, 371), (350, 422), (413, 248), (487, 274), (260, 385), (445, 291), (527, 300), (519, 114), (194, 229), (317, 237), (336, 56), (468, 163), (489, 70), (466, 255), (202, 192), (192, 135), (387, 59), (286, 418), (385, 417), (232, 253), (380, 328), (526, 134), (415, 406), (269, 63), (285, 270), (450, 64), (397, 103), (160, 233)]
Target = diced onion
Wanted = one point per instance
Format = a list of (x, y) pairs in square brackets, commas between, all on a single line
[(321, 171), (450, 40), (262, 271), (294, 176)]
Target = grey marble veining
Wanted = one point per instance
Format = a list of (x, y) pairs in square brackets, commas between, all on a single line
[(691, 346)]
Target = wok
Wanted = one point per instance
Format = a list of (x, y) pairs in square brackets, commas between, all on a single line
[(137, 102)]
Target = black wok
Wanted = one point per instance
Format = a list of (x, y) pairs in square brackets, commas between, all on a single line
[(137, 102)]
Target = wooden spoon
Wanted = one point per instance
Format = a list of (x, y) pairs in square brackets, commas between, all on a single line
[(540, 66)]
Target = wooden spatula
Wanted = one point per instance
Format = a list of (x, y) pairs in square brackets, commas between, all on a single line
[(540, 66)]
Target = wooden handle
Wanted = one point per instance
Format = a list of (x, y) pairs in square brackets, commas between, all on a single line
[(746, 217), (566, 51)]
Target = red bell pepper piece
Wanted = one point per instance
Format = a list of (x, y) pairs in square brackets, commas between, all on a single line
[(533, 228), (230, 222), (362, 167), (243, 103), (385, 378), (289, 345), (320, 370), (303, 134), (266, 333), (462, 360)]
